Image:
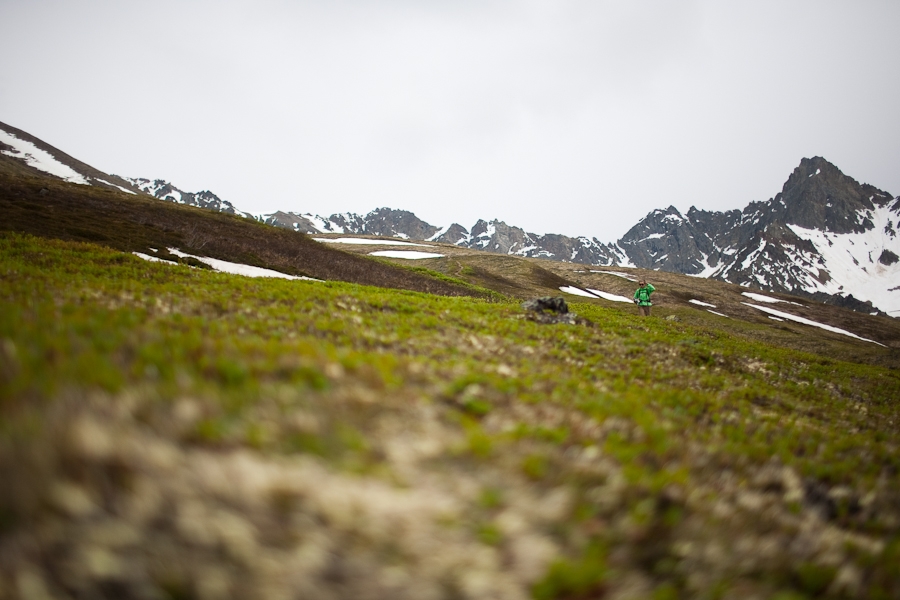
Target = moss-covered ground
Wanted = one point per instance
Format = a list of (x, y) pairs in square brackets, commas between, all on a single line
[(168, 432)]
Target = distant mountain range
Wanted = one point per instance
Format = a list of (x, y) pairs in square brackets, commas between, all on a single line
[(824, 235)]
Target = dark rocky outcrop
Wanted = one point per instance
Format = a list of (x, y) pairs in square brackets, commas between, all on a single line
[(554, 304), (888, 258), (389, 222), (551, 310)]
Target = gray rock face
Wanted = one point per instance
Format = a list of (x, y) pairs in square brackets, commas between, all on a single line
[(665, 240), (402, 223), (455, 234), (818, 196), (291, 221)]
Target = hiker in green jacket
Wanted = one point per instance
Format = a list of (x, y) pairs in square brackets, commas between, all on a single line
[(642, 297)]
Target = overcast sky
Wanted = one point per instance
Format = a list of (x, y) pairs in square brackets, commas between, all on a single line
[(559, 116)]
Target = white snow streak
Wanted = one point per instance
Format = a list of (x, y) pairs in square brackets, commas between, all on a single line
[(410, 254), (576, 291), (652, 236), (126, 190), (701, 303), (618, 274), (440, 232), (609, 296), (152, 258), (753, 255), (365, 242), (761, 298), (797, 319), (236, 268)]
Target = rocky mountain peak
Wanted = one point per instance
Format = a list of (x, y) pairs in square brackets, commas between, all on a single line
[(818, 195), (390, 222)]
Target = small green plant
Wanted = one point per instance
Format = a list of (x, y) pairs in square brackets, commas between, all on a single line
[(814, 578), (489, 534), (491, 498), (535, 466), (582, 577)]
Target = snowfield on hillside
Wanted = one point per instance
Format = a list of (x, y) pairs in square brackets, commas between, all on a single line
[(39, 159), (592, 293), (223, 266), (611, 297), (237, 268), (368, 242), (852, 260), (568, 289), (701, 303), (407, 254), (796, 319), (766, 299)]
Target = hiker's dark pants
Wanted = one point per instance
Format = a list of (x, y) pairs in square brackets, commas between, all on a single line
[(645, 311)]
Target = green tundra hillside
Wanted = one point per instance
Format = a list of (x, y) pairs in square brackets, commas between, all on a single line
[(387, 432)]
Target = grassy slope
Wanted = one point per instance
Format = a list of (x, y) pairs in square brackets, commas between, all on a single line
[(179, 433), (527, 278), (50, 208)]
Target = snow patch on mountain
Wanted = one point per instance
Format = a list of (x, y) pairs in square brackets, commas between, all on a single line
[(407, 254), (766, 299), (610, 296), (225, 266), (856, 262), (149, 258), (805, 321), (701, 303), (568, 289), (126, 190), (618, 274), (40, 159), (367, 242)]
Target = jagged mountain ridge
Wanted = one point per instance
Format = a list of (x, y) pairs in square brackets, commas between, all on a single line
[(164, 190), (492, 236), (824, 235), (802, 241)]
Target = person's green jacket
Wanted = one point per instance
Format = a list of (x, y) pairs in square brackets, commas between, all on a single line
[(642, 295)]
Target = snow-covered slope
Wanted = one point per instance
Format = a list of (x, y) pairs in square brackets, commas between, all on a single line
[(38, 159), (22, 151), (866, 264), (26, 153)]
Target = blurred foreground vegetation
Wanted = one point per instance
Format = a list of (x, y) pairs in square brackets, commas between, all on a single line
[(168, 432)]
